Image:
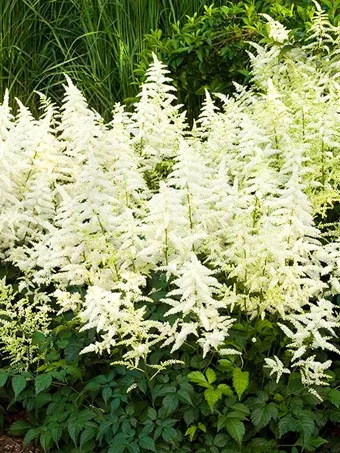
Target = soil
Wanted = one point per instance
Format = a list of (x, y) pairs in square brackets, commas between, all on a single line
[(11, 444)]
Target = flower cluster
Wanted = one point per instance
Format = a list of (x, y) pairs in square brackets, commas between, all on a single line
[(226, 211)]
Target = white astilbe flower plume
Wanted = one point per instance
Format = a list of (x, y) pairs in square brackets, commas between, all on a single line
[(196, 288), (276, 367), (157, 126)]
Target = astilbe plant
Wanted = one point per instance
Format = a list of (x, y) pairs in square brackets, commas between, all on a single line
[(233, 212)]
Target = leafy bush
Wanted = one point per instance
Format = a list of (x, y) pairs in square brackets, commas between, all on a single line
[(177, 287), (210, 50)]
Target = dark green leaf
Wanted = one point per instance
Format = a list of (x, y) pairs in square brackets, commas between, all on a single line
[(3, 379), (170, 402), (18, 384), (87, 435), (262, 415), (19, 428), (45, 440), (30, 435), (147, 443), (42, 382)]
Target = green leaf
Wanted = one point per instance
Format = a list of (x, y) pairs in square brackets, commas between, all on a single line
[(147, 443), (198, 378), (169, 434), (45, 440), (87, 435), (120, 442), (334, 397), (74, 426), (212, 396), (3, 379), (210, 375), (18, 384), (133, 447), (225, 390), (19, 428), (56, 433), (315, 442), (202, 427), (287, 424), (106, 393), (239, 407), (42, 382), (221, 440), (38, 338), (240, 381), (190, 415), (170, 402), (226, 365), (191, 431), (262, 415), (30, 435), (152, 413), (236, 429), (306, 426)]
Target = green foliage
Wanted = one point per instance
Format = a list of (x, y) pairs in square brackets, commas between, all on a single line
[(96, 43), (80, 403), (209, 50)]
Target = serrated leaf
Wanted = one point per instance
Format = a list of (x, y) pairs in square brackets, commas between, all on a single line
[(210, 375), (19, 428), (3, 379), (240, 381), (152, 413), (30, 435), (306, 426), (42, 382), (212, 396), (221, 440), (133, 447), (190, 415), (239, 407), (334, 397), (18, 384), (106, 393), (226, 365), (315, 442), (202, 427), (119, 443), (225, 389), (170, 402), (198, 378), (45, 440), (169, 434), (191, 431), (236, 429), (87, 435), (147, 443), (262, 415), (287, 424), (56, 433)]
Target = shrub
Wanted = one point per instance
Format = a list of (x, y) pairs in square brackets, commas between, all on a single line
[(209, 50)]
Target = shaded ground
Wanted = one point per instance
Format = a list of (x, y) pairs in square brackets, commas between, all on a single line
[(14, 445), (11, 444)]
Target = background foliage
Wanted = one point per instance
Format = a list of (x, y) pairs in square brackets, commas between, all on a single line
[(100, 43), (96, 42)]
